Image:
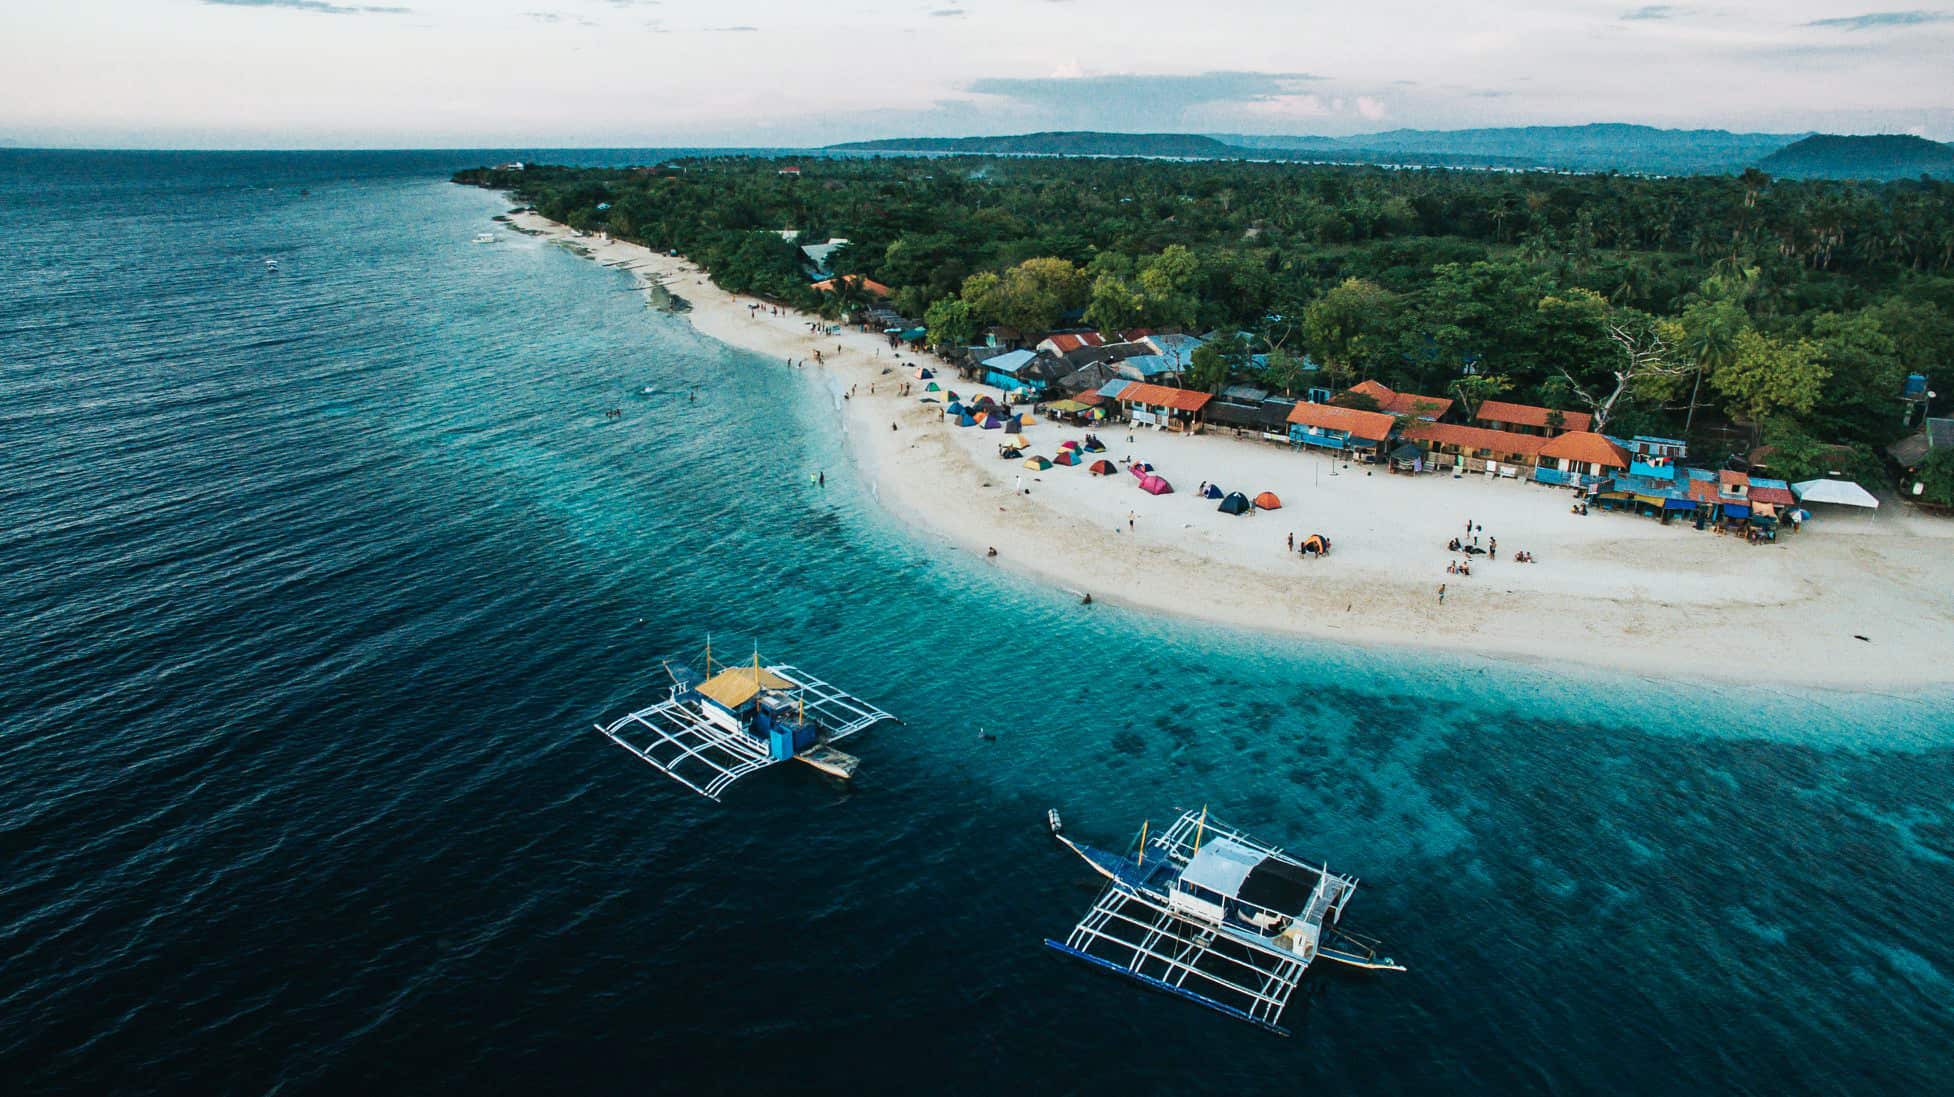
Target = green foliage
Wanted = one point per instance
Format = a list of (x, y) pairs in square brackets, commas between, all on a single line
[(1284, 372), (1208, 368), (1767, 376), (950, 323), (1029, 296), (1347, 327), (1936, 475)]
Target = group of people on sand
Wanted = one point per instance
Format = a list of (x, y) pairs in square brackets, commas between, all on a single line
[(1468, 546)]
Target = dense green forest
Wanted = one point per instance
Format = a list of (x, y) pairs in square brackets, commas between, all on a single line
[(1737, 308)]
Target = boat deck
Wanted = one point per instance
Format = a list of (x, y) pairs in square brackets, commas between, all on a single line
[(674, 738)]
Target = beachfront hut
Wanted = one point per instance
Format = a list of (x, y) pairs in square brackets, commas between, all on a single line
[(1164, 408), (1212, 491), (1155, 485), (1450, 446), (1428, 408), (1529, 419), (1102, 468), (1236, 503), (1268, 501), (1066, 457), (1037, 462), (1579, 458), (1327, 426)]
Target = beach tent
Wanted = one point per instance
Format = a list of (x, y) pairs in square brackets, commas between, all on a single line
[(966, 421), (952, 394), (1316, 543), (924, 374), (1037, 462), (932, 387), (1016, 440), (1140, 467), (1009, 453), (953, 408), (1138, 472), (1102, 468), (1212, 491), (1015, 423), (1068, 444), (1842, 492), (1236, 503), (992, 422), (1094, 445), (1156, 485), (1066, 457), (1268, 501)]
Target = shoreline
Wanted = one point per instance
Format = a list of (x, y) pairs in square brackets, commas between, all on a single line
[(1612, 592)]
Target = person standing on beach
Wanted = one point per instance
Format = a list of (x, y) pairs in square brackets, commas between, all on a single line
[(1441, 594), (1292, 540), (1129, 521)]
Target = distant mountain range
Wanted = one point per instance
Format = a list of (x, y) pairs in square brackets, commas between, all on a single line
[(1598, 147)]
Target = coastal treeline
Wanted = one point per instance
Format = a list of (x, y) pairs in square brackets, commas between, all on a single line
[(1790, 312)]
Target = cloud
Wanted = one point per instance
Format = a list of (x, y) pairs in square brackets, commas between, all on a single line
[(1650, 13), (741, 28), (1140, 91), (312, 5), (558, 17), (946, 13), (1875, 19)]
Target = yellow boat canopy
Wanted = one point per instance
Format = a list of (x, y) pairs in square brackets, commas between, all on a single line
[(735, 686)]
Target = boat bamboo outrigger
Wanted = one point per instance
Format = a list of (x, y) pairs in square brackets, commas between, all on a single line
[(1207, 913), (714, 730)]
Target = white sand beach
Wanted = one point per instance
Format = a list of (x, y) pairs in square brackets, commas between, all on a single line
[(1609, 590)]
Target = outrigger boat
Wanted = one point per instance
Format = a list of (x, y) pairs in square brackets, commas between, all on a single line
[(716, 729), (1207, 913)]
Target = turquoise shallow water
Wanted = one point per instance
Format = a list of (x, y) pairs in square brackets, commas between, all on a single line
[(316, 582)]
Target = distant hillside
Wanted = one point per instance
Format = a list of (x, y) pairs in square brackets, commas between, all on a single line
[(1081, 143), (1605, 146), (1598, 147), (1880, 156)]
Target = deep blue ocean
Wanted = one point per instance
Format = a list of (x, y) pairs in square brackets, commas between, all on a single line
[(315, 582)]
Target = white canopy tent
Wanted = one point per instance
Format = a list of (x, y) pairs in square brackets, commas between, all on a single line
[(1843, 492)]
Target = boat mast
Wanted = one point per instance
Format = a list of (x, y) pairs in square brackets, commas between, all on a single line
[(1141, 857), (1199, 826)]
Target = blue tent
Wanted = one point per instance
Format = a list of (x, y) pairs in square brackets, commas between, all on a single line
[(964, 420), (1234, 504), (1213, 491), (953, 408)]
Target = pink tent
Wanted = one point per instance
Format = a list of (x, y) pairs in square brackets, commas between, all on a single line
[(1068, 445), (1156, 485), (1137, 471)]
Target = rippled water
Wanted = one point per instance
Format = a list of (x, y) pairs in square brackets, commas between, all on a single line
[(316, 580)]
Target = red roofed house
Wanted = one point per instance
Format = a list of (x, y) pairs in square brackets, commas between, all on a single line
[(1428, 408), (1527, 419), (1475, 449), (1579, 457), (1332, 427), (861, 282), (1066, 342), (1164, 407)]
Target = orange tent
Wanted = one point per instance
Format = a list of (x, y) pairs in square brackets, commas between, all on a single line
[(1268, 501)]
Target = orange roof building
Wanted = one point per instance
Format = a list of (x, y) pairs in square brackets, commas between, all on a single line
[(1403, 403), (1163, 405), (1473, 449), (1579, 454), (1528, 419), (862, 282), (1332, 427)]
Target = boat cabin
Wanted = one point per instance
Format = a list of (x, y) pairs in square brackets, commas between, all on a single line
[(1241, 887), (755, 701)]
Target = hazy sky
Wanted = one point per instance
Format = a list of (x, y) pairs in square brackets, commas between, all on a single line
[(311, 73)]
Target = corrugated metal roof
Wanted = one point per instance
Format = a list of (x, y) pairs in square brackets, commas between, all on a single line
[(1010, 361), (1361, 424), (1112, 389)]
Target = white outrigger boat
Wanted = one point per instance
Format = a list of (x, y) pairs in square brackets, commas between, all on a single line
[(714, 730), (1207, 913)]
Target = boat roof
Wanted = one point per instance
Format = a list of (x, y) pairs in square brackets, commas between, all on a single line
[(1221, 865), (736, 686)]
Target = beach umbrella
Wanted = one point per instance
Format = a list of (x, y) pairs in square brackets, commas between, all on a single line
[(1156, 485), (1099, 413), (1066, 457), (1236, 503), (966, 421), (1036, 462), (1268, 501), (1068, 445), (932, 387), (1102, 468), (1212, 491)]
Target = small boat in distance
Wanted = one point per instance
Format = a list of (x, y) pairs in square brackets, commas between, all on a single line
[(485, 238), (715, 729), (1207, 913), (271, 265)]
